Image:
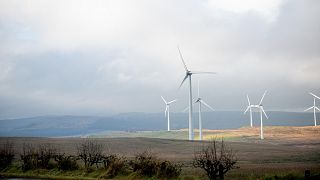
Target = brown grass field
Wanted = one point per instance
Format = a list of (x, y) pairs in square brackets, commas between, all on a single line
[(284, 149)]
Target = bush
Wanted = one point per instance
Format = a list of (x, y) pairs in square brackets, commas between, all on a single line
[(33, 158), (115, 165), (6, 154), (169, 170), (145, 164), (65, 162), (28, 157), (45, 153)]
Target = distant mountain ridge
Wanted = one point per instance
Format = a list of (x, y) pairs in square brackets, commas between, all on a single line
[(68, 125)]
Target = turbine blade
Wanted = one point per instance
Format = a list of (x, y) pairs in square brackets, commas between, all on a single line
[(183, 80), (172, 101), (309, 108), (246, 110), (184, 64), (185, 109), (248, 100), (314, 95), (202, 72), (317, 108), (263, 96), (208, 106), (164, 100), (198, 89), (264, 112)]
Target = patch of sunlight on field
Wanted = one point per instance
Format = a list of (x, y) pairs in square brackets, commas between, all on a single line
[(241, 134)]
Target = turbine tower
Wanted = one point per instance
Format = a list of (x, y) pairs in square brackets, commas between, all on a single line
[(200, 101), (188, 76), (314, 107), (167, 111), (260, 108)]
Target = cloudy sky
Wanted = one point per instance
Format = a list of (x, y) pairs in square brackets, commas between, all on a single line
[(113, 56)]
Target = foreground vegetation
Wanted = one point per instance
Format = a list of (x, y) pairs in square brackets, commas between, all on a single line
[(44, 161)]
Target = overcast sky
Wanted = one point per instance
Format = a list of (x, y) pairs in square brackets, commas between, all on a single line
[(106, 57)]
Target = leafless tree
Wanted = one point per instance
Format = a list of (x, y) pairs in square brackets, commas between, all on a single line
[(216, 159), (90, 152)]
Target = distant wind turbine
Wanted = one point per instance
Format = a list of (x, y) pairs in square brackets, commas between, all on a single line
[(167, 111), (314, 107), (188, 75), (250, 109), (260, 107), (201, 101)]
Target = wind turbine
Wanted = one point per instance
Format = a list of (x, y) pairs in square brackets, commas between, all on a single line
[(200, 101), (188, 75), (314, 107), (167, 111), (250, 109), (260, 107)]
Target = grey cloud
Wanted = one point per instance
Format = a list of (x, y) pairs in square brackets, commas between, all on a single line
[(117, 56)]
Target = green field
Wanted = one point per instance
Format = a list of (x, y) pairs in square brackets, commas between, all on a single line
[(284, 151)]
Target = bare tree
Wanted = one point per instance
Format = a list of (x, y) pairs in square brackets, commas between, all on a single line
[(90, 152), (216, 159)]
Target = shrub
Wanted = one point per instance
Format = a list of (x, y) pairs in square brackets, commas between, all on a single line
[(66, 162), (145, 164), (28, 157), (39, 157), (115, 165), (6, 154), (169, 170), (107, 160), (45, 153)]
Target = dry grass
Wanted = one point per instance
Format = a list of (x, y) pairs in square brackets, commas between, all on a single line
[(285, 133)]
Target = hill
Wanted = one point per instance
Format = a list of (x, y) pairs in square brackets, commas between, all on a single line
[(57, 126)]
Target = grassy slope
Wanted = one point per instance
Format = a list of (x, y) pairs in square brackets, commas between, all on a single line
[(285, 149)]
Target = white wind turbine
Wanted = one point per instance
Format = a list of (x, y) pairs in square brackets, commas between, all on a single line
[(314, 107), (260, 107), (200, 101), (188, 75), (167, 111), (250, 109)]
